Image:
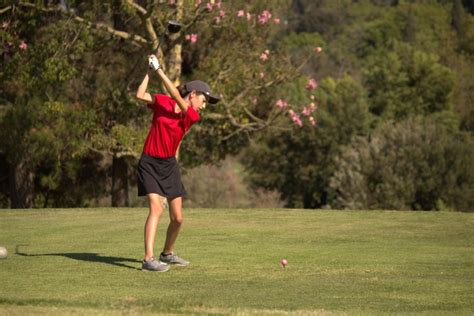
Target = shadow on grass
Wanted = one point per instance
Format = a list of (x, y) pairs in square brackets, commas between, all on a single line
[(85, 256)]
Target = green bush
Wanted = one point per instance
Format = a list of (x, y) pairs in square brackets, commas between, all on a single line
[(416, 164)]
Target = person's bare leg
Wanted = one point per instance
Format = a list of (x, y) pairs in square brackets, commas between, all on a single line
[(176, 220), (151, 224)]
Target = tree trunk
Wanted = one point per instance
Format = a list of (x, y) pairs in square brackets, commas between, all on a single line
[(120, 182), (175, 59), (21, 180)]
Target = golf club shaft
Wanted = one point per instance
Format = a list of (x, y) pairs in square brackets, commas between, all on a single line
[(159, 43)]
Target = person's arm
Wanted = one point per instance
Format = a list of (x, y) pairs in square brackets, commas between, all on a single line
[(172, 90), (142, 93)]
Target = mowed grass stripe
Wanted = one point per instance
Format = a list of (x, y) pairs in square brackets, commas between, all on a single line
[(339, 261)]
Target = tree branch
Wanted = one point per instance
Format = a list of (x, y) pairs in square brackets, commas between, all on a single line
[(259, 123), (5, 9), (250, 114), (136, 40), (137, 7), (146, 18), (215, 116)]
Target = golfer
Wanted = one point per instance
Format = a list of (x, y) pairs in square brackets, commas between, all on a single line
[(158, 170)]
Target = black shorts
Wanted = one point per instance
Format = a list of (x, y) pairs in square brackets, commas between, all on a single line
[(159, 175)]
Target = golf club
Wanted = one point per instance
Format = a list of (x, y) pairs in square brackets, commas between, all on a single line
[(172, 27)]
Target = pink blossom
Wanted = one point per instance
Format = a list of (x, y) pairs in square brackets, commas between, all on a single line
[(171, 2), (198, 3), (264, 56), (220, 17), (249, 16), (241, 13), (313, 107), (306, 111), (264, 17), (298, 121), (296, 118), (209, 6), (218, 4), (312, 121), (312, 97), (312, 84), (276, 21), (192, 38), (261, 75), (23, 45), (281, 104), (318, 49)]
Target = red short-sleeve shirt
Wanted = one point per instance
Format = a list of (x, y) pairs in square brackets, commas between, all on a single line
[(168, 127)]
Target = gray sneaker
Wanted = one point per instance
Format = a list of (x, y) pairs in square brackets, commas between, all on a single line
[(173, 259), (153, 265)]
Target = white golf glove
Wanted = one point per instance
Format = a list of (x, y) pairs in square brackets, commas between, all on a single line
[(153, 63)]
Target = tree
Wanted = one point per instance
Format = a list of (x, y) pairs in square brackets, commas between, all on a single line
[(298, 162), (416, 164), (406, 82), (40, 130), (117, 126)]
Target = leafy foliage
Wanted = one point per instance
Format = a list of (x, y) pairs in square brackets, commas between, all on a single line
[(406, 57), (407, 82), (69, 72), (414, 164), (298, 162), (40, 126)]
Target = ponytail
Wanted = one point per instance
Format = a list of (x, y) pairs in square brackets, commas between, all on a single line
[(182, 90)]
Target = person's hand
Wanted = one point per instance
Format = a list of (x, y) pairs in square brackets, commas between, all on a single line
[(153, 63)]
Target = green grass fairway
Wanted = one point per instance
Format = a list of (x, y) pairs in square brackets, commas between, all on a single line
[(86, 261)]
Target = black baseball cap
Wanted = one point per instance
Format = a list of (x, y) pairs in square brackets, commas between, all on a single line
[(201, 86)]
